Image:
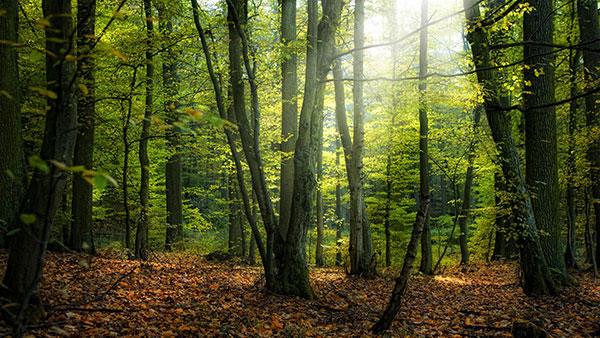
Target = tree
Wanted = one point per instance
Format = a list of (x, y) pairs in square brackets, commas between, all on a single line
[(47, 185), (173, 168), (401, 284), (141, 235), (537, 278), (289, 111), (540, 130), (589, 34), (12, 167), (361, 252), (81, 205), (426, 256)]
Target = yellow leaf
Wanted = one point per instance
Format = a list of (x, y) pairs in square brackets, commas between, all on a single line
[(70, 58), (45, 92), (119, 55), (84, 89)]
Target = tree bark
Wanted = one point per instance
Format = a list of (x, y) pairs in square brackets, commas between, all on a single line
[(13, 176), (141, 236), (81, 226), (540, 131), (173, 170), (45, 191), (426, 255), (536, 276), (289, 111), (589, 32), (319, 259)]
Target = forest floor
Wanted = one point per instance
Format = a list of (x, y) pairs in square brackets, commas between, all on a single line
[(184, 295)]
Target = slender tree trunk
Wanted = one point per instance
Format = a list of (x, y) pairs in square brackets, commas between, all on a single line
[(426, 255), (590, 32), (570, 259), (141, 236), (13, 176), (386, 319), (81, 226), (265, 253), (339, 219), (173, 170), (540, 131), (466, 202), (45, 191), (361, 252), (126, 153), (388, 208), (235, 246), (502, 246), (536, 276), (289, 110), (319, 259)]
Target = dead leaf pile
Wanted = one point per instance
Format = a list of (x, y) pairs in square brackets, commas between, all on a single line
[(183, 295)]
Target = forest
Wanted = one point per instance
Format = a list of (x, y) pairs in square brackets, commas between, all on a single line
[(299, 168)]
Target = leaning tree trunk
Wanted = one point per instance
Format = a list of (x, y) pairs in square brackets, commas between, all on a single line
[(589, 36), (426, 256), (536, 276), (289, 112), (81, 225), (141, 235), (386, 319), (541, 154), (43, 197), (173, 170), (12, 167)]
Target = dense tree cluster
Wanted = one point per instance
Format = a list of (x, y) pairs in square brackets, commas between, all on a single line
[(228, 126)]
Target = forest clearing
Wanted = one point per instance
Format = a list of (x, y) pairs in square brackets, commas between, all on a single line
[(183, 295), (299, 168)]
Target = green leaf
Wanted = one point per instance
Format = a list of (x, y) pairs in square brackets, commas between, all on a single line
[(39, 164), (13, 232), (27, 218)]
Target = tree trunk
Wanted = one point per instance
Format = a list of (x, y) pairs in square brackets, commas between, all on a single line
[(173, 170), (81, 226), (361, 252), (265, 253), (540, 131), (319, 259), (388, 208), (289, 111), (504, 242), (44, 194), (386, 319), (536, 276), (466, 202), (570, 259), (13, 177), (589, 36), (426, 255), (141, 236), (339, 219), (235, 244), (126, 152)]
